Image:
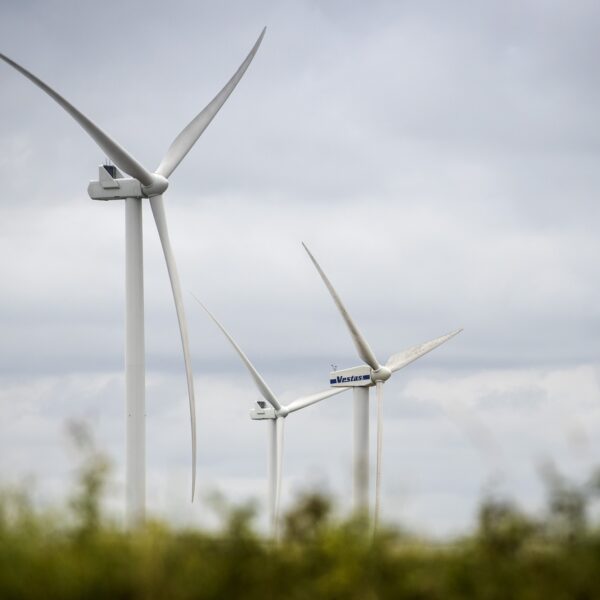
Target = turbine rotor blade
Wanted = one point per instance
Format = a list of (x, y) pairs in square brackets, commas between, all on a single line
[(379, 388), (279, 461), (401, 359), (158, 211), (362, 347), (312, 399), (264, 389), (123, 159), (187, 138)]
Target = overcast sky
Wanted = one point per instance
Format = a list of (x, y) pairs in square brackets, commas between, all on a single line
[(439, 159)]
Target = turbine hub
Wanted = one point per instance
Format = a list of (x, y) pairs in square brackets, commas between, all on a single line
[(158, 186), (382, 374)]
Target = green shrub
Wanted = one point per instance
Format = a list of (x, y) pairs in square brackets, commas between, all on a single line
[(76, 552)]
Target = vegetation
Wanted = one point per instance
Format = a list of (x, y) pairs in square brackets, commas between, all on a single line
[(79, 553)]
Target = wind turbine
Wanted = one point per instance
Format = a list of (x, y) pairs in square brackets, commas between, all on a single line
[(275, 414), (143, 184), (362, 378)]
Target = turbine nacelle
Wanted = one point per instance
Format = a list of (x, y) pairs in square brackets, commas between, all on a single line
[(354, 377), (262, 411), (112, 185), (361, 376)]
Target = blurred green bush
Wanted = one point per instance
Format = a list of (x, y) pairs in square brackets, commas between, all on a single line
[(77, 552)]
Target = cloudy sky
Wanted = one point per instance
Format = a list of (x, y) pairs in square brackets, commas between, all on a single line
[(439, 159)]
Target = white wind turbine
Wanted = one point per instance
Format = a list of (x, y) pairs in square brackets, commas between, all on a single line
[(275, 414), (362, 378), (143, 184)]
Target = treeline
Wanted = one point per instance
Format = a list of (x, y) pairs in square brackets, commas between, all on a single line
[(76, 552)]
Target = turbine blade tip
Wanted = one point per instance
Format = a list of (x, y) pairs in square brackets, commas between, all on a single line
[(308, 251), (196, 298), (259, 40), (200, 303)]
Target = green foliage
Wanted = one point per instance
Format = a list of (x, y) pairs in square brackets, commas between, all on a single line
[(306, 521), (91, 481), (78, 553), (567, 506), (503, 529)]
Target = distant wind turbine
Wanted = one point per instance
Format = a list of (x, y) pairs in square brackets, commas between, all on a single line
[(362, 378), (275, 414), (143, 184)]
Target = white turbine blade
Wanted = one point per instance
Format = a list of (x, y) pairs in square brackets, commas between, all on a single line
[(379, 387), (158, 211), (312, 399), (401, 359), (264, 389), (187, 138), (117, 154), (279, 461), (362, 347)]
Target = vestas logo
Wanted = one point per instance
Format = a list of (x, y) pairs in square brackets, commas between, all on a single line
[(348, 379), (356, 376)]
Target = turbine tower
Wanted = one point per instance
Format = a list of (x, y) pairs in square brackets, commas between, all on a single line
[(373, 373), (143, 184), (275, 414)]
